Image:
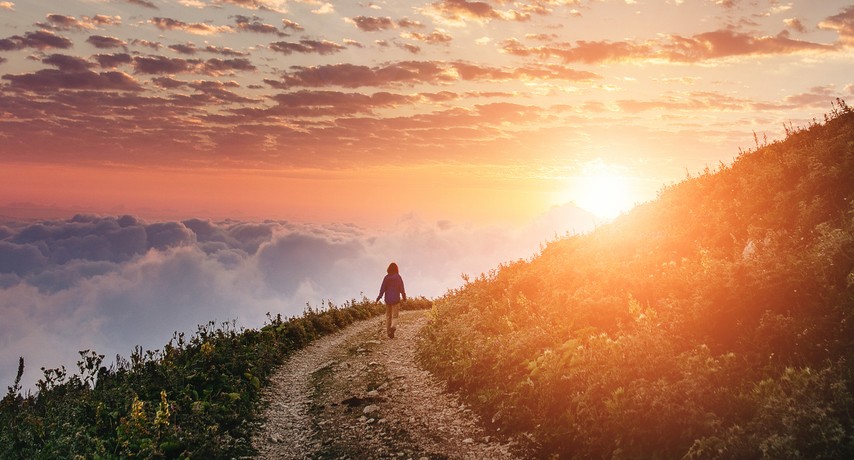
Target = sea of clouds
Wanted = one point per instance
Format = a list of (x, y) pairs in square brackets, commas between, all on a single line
[(110, 283)]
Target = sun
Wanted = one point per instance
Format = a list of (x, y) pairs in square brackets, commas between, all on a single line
[(602, 190)]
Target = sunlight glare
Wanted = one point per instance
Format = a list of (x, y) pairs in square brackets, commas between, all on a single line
[(602, 190)]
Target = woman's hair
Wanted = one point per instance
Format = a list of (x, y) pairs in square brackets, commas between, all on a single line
[(392, 269)]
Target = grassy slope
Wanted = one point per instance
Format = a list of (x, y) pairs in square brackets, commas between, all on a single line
[(715, 321)]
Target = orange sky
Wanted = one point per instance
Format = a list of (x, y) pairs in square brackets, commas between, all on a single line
[(308, 110)]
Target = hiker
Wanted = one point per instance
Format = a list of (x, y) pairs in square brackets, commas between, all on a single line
[(393, 289)]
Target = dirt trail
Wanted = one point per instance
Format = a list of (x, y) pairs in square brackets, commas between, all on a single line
[(358, 395)]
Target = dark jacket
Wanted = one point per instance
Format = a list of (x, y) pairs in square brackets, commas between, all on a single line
[(393, 289)]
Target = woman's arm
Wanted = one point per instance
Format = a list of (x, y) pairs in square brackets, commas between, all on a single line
[(383, 288)]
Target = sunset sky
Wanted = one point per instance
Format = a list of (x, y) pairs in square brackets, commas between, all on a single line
[(165, 163), (361, 112)]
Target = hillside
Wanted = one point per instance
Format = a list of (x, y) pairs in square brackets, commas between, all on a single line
[(713, 322)]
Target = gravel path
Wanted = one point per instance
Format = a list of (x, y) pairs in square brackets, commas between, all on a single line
[(358, 395)]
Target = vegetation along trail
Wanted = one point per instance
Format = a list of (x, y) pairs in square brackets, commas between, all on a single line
[(357, 394)]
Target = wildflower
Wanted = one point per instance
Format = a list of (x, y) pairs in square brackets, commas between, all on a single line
[(207, 349), (137, 410), (162, 416)]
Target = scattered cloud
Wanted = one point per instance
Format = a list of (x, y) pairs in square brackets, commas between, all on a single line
[(225, 51), (843, 24), (288, 24), (407, 23), (50, 79), (183, 48), (162, 65), (254, 24), (371, 24), (795, 24), (435, 37), (458, 12), (277, 6), (816, 98), (111, 61), (103, 42), (707, 46), (143, 3), (196, 28), (420, 72), (146, 44), (324, 8), (156, 65), (321, 47), (41, 40), (61, 22)]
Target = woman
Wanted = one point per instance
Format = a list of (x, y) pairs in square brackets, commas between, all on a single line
[(393, 290)]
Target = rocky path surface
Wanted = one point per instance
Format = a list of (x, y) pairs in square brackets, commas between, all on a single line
[(358, 395)]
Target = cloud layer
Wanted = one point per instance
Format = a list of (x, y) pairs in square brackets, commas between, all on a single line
[(110, 283)]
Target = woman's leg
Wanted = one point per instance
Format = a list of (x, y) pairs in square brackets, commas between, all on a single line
[(395, 310)]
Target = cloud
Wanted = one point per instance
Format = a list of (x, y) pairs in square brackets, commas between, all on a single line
[(414, 49), (435, 37), (843, 24), (214, 66), (20, 259), (67, 63), (41, 39), (726, 43), (254, 24), (371, 24), (161, 64), (225, 51), (183, 48), (288, 24), (102, 42), (707, 101), (266, 5), (146, 43), (460, 11), (706, 46), (196, 28), (143, 3), (111, 61), (407, 23), (795, 24), (65, 23), (322, 47), (49, 79), (418, 72), (327, 103), (111, 283), (324, 8)]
